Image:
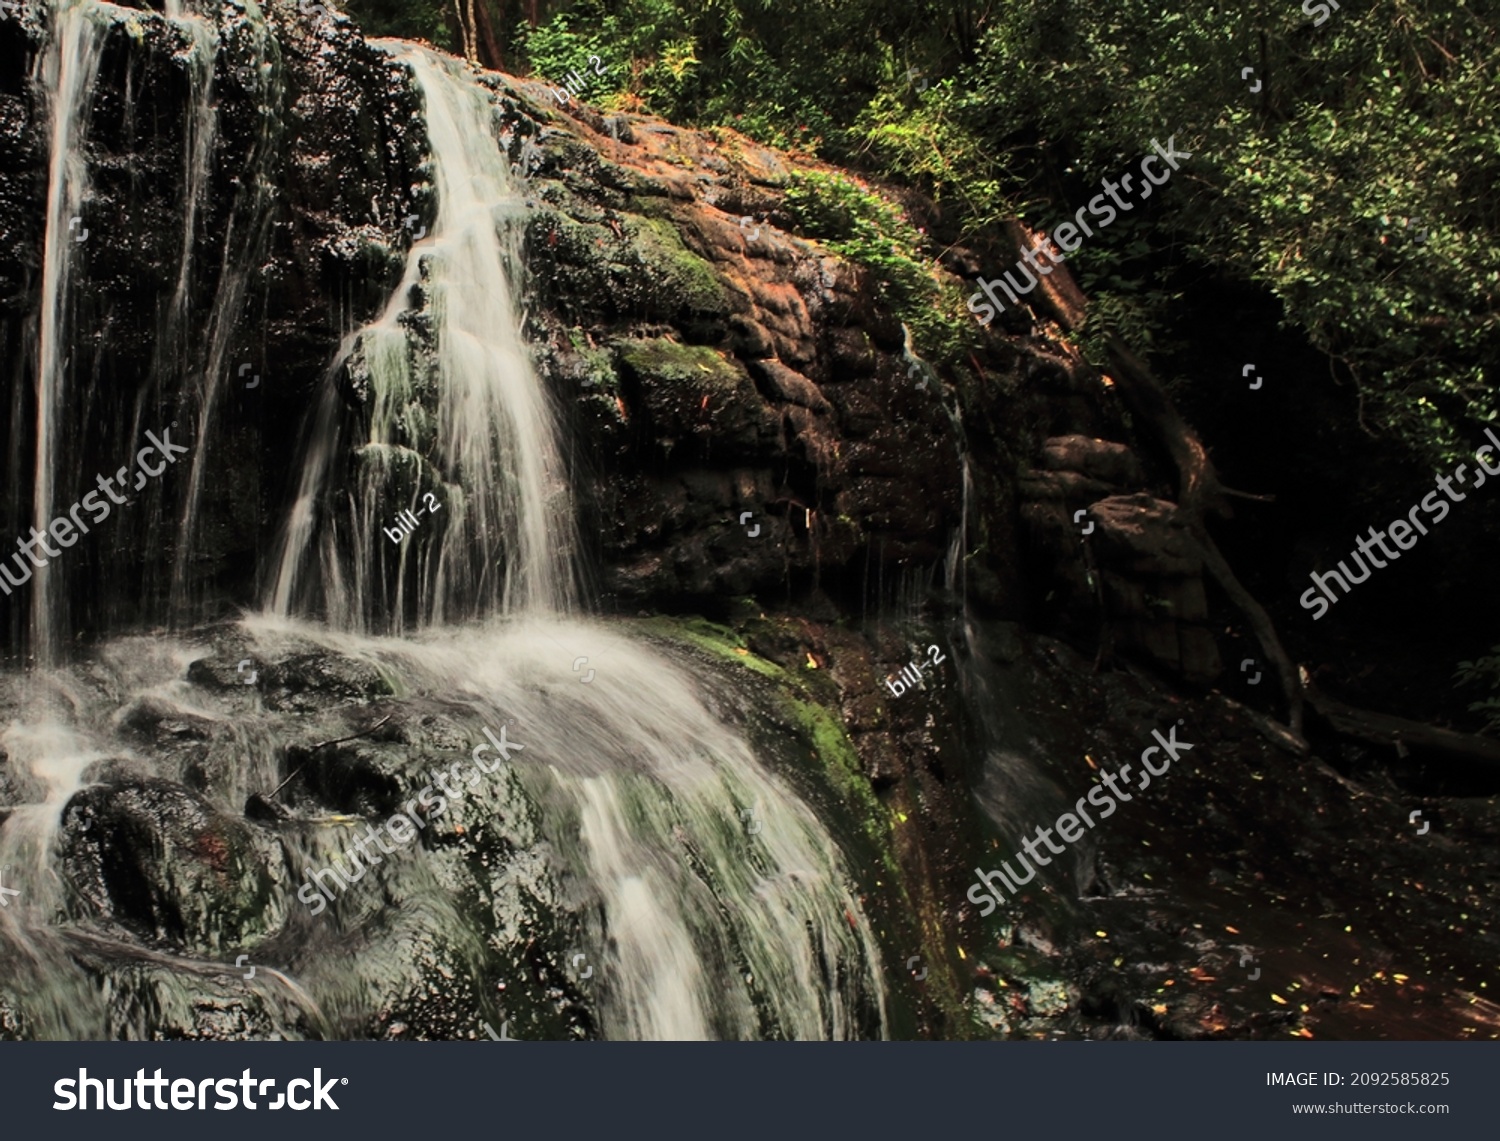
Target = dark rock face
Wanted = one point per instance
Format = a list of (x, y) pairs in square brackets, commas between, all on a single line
[(781, 395), (205, 291)]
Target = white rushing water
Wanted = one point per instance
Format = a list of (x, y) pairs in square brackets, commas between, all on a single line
[(497, 532), (700, 921)]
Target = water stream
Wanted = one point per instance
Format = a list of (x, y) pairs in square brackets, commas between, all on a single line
[(66, 75), (483, 474)]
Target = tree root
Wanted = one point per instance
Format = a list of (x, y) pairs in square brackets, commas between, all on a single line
[(1199, 495)]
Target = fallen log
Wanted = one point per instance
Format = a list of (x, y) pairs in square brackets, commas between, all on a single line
[(1398, 732)]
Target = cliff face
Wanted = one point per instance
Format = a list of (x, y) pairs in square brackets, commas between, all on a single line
[(252, 190), (243, 191), (726, 369)]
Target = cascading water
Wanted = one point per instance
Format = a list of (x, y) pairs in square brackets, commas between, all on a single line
[(199, 365), (638, 828), (712, 902), (489, 453), (67, 77), (75, 408)]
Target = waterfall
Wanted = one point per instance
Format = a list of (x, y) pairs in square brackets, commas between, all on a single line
[(482, 474), (77, 408), (642, 785), (431, 537)]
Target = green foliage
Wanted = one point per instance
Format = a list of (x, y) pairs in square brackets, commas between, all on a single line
[(862, 227), (1485, 671), (719, 63), (565, 44), (429, 20), (927, 142), (1369, 129), (1115, 272), (873, 232)]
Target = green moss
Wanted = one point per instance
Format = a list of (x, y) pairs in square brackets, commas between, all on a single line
[(694, 367), (684, 279), (839, 762), (720, 641), (833, 748), (803, 701), (598, 370)]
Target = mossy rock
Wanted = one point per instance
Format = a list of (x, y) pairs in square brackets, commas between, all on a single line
[(692, 393), (687, 284), (666, 362), (634, 269), (808, 709), (584, 369), (163, 863)]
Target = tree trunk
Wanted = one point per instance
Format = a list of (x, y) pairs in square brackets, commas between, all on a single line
[(490, 55), (464, 40), (471, 41)]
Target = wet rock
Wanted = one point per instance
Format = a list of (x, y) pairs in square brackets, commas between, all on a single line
[(160, 722), (1100, 459), (161, 862), (319, 681), (264, 810), (696, 401)]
